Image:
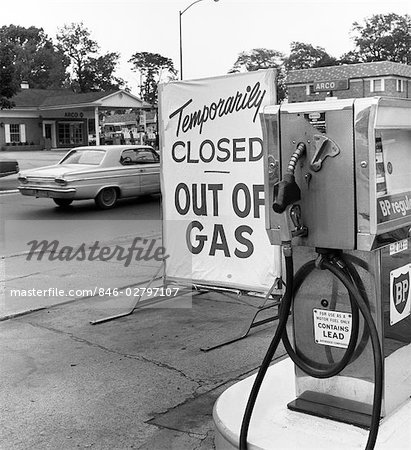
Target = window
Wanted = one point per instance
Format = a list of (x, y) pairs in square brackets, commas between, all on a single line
[(377, 85), (92, 157), (400, 85), (128, 157), (64, 133), (139, 156), (309, 89), (91, 127), (15, 132), (77, 133), (70, 133), (146, 156)]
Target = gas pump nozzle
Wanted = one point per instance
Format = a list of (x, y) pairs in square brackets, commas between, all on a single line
[(286, 193)]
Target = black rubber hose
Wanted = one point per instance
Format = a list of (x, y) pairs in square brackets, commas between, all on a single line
[(313, 368), (378, 363), (282, 322), (357, 281), (283, 317)]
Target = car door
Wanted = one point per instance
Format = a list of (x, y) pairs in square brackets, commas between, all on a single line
[(148, 163), (130, 177)]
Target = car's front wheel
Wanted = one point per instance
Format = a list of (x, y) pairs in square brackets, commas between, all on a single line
[(62, 201), (106, 198)]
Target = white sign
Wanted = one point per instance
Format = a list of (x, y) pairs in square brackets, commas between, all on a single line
[(400, 298), (212, 181), (399, 246), (332, 328)]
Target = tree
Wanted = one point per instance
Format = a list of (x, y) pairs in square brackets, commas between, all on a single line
[(8, 85), (75, 42), (35, 58), (306, 56), (89, 73), (263, 58), (256, 59), (98, 73), (351, 57), (383, 38), (153, 68)]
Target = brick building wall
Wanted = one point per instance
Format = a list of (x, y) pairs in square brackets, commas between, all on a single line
[(364, 80), (357, 88)]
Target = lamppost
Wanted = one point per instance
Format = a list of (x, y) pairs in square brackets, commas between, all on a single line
[(181, 35)]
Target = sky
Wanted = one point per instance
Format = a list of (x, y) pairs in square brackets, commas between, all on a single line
[(214, 32)]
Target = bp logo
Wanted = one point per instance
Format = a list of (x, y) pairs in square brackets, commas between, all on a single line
[(400, 302)]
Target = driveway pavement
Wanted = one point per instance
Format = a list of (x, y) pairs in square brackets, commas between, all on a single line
[(141, 381)]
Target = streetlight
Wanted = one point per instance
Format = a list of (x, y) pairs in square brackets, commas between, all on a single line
[(181, 35)]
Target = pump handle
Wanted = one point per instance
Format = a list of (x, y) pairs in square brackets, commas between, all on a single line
[(324, 147), (286, 192)]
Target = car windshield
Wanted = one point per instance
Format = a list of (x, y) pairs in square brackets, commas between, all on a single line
[(93, 157)]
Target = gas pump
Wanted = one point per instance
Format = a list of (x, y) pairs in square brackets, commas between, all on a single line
[(338, 193)]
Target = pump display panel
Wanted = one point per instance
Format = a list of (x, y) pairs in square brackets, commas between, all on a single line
[(393, 174)]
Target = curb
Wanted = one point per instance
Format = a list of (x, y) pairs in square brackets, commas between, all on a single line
[(11, 191), (22, 313)]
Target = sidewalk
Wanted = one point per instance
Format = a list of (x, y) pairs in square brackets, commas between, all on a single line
[(137, 382)]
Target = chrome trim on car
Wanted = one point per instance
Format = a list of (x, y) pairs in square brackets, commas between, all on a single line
[(107, 177), (39, 188), (31, 178)]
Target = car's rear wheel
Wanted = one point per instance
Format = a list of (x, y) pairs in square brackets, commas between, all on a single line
[(62, 201), (106, 198)]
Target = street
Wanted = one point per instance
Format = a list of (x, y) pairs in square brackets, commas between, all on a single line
[(26, 221)]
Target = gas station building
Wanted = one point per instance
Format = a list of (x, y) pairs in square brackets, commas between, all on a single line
[(59, 118), (372, 79)]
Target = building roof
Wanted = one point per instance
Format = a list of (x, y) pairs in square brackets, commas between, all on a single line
[(69, 99), (53, 97), (35, 98), (349, 71)]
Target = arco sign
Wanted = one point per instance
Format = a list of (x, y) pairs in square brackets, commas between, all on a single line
[(330, 85)]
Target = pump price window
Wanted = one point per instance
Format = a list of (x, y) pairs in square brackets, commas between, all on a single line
[(332, 328)]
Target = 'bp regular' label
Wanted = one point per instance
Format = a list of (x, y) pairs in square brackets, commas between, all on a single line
[(391, 207), (332, 328)]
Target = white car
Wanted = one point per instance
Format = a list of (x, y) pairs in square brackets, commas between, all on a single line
[(102, 173)]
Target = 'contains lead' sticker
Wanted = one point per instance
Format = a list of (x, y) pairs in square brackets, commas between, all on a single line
[(332, 328), (400, 299)]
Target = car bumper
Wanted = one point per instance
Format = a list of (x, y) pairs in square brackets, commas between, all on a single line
[(67, 193)]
